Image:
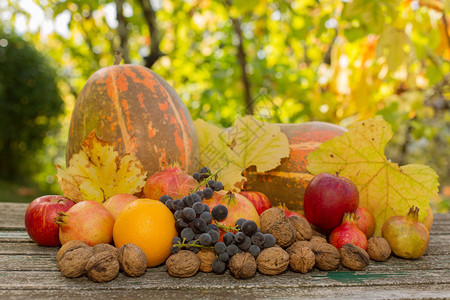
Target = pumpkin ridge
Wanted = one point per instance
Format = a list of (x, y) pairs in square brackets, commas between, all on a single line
[(120, 120)]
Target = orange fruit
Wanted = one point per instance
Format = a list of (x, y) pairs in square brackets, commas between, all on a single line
[(148, 224)]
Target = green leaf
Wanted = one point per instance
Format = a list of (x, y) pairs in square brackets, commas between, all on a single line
[(249, 142), (384, 188)]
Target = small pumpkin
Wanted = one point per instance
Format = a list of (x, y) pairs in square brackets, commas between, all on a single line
[(286, 184), (140, 113)]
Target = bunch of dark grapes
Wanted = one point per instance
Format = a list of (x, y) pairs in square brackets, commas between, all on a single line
[(193, 221)]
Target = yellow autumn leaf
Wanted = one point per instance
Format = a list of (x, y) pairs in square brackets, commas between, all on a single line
[(249, 142), (385, 188), (97, 172)]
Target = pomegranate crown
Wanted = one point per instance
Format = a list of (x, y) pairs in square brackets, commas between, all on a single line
[(350, 217), (413, 213)]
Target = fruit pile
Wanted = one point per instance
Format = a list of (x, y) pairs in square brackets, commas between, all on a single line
[(136, 187)]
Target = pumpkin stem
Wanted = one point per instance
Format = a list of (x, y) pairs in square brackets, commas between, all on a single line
[(118, 54)]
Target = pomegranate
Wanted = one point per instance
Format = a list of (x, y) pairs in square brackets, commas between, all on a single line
[(407, 237), (348, 232), (87, 221), (172, 181), (259, 200), (366, 222), (327, 198)]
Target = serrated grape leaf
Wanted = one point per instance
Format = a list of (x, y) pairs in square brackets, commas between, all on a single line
[(249, 142), (97, 172), (384, 188)]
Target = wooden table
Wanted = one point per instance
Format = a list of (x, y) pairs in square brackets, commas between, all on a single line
[(28, 270)]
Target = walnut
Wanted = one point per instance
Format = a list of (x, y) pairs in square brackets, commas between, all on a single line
[(71, 245), (302, 228), (317, 239), (302, 260), (378, 248), (132, 260), (242, 265), (105, 247), (206, 256), (271, 216), (102, 267), (327, 256), (283, 232), (298, 245), (354, 257), (183, 264), (272, 261), (72, 262)]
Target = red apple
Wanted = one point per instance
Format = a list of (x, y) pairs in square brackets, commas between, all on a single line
[(366, 222), (40, 217), (259, 200), (327, 198), (115, 204), (238, 207)]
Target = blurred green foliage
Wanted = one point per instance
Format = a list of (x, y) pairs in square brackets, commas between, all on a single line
[(333, 61)]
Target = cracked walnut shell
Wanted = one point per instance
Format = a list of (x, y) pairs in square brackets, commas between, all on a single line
[(183, 264), (354, 257), (272, 261), (378, 248), (327, 256), (72, 262), (302, 260), (242, 265), (302, 228), (102, 267), (132, 260)]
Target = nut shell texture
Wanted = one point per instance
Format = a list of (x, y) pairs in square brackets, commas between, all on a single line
[(73, 262), (102, 267), (132, 260), (71, 245), (207, 257), (302, 228), (354, 257), (302, 260), (327, 256), (272, 261), (242, 265), (183, 264), (378, 248), (271, 216)]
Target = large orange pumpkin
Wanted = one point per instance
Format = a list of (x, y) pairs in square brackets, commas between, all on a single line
[(286, 184), (138, 111)]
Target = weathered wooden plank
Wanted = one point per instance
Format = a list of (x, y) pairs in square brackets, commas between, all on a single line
[(47, 262), (418, 291), (12, 215)]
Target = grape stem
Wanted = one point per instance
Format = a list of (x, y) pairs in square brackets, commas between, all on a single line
[(183, 244), (227, 228), (205, 181)]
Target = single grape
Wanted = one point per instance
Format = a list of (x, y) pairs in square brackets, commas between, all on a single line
[(210, 183), (200, 193), (164, 198), (206, 207), (232, 250), (205, 171), (184, 199), (204, 239), (208, 193), (245, 244), (213, 227), (187, 233), (198, 207), (169, 204), (249, 227), (269, 240), (218, 186), (214, 235), (206, 216), (219, 212), (176, 240), (177, 214), (239, 222), (188, 214), (254, 250), (218, 266), (195, 197), (239, 237), (189, 201), (228, 238), (224, 257), (174, 249), (199, 225), (196, 176), (258, 239), (178, 204), (180, 224), (220, 247)]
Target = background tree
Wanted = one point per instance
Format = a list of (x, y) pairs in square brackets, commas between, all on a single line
[(30, 106)]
